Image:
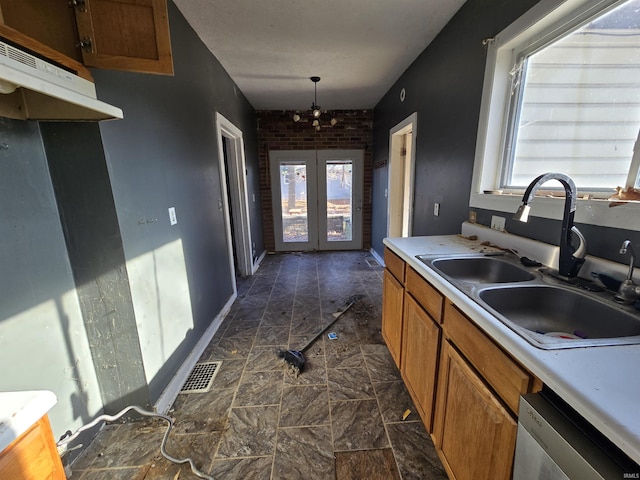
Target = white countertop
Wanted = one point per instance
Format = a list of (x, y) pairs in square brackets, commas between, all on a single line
[(20, 410), (601, 383)]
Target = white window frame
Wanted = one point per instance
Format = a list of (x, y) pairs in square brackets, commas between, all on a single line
[(541, 21)]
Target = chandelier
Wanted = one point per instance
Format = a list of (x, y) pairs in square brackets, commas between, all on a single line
[(315, 109)]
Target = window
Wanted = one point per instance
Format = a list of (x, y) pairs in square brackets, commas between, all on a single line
[(576, 104), (562, 93)]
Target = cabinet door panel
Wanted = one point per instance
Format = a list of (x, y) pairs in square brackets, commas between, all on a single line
[(474, 435), (392, 303), (128, 35), (50, 22), (420, 342), (33, 455)]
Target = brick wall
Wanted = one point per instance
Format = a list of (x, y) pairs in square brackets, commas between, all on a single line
[(278, 131)]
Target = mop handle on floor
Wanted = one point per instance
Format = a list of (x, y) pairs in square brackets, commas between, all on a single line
[(351, 301)]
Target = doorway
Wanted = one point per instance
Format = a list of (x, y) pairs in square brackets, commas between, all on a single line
[(233, 195), (317, 199), (402, 148)]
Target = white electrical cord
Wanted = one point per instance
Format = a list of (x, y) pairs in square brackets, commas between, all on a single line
[(62, 444)]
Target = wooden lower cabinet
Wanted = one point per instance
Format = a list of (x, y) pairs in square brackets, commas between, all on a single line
[(465, 387), (473, 432), (33, 455), (420, 345), (392, 307)]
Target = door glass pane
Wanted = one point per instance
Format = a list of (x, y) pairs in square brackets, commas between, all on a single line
[(293, 193), (339, 200)]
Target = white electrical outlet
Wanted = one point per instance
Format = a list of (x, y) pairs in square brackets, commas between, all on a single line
[(497, 223), (436, 209)]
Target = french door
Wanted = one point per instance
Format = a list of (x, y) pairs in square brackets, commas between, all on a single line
[(317, 199)]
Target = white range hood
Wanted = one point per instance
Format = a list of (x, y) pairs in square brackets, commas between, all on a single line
[(34, 89)]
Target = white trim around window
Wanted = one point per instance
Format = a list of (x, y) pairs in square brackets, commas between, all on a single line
[(537, 24)]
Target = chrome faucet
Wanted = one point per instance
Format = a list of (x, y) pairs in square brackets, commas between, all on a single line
[(571, 259), (628, 292)]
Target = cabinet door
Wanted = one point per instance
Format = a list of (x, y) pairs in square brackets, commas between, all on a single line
[(420, 340), (392, 303), (474, 434), (50, 22), (128, 35), (33, 455)]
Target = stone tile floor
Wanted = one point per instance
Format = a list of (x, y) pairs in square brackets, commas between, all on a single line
[(260, 422)]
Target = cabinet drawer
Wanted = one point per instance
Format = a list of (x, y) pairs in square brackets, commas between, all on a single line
[(426, 295), (499, 370), (394, 264)]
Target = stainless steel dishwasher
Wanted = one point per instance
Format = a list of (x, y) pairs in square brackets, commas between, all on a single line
[(554, 443)]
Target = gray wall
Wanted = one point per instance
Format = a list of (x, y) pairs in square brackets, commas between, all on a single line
[(444, 85), (43, 343), (164, 154), (92, 271)]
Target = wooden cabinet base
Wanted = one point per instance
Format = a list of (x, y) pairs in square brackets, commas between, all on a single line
[(420, 345), (474, 434), (33, 455), (392, 305)]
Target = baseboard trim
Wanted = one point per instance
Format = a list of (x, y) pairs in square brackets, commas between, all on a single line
[(377, 257), (257, 263)]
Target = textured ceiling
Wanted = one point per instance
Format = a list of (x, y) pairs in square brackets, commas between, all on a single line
[(359, 48)]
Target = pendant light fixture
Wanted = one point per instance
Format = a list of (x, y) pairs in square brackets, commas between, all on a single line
[(316, 111)]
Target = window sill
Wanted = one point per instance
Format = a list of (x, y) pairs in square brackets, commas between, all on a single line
[(624, 215)]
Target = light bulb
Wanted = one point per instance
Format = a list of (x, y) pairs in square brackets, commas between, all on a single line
[(316, 113), (296, 117), (316, 123)]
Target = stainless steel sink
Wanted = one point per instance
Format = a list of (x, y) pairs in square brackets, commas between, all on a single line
[(482, 270), (557, 317), (546, 311)]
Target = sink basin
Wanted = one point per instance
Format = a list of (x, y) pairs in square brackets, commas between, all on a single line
[(482, 270), (555, 317)]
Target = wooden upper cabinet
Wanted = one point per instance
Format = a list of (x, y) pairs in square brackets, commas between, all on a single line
[(130, 35), (50, 22)]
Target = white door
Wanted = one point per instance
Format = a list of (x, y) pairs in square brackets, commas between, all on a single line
[(233, 199), (317, 199)]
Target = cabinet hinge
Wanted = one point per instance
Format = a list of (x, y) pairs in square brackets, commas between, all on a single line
[(85, 43), (79, 4)]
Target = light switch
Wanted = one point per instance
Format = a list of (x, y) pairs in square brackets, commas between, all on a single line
[(172, 216)]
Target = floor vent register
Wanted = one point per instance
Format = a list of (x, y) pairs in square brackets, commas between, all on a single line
[(201, 377)]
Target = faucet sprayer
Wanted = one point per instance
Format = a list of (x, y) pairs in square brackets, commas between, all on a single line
[(628, 292), (571, 259)]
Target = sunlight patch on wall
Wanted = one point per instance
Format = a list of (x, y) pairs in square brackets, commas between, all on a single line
[(45, 348), (162, 304)]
